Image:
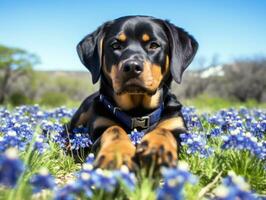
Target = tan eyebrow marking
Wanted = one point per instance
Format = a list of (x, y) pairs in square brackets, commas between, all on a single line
[(145, 37), (122, 37)]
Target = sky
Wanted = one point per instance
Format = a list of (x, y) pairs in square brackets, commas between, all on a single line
[(227, 29)]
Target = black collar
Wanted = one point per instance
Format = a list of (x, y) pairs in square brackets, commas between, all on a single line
[(143, 122)]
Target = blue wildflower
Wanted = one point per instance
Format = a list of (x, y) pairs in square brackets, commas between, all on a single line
[(41, 144), (90, 179), (50, 127), (11, 139), (233, 187), (216, 131), (191, 119), (81, 138), (42, 180), (136, 136), (104, 179), (68, 192), (90, 159), (196, 143), (127, 178), (60, 139), (174, 180), (244, 141), (11, 167)]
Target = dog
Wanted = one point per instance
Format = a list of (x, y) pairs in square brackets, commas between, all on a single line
[(135, 58)]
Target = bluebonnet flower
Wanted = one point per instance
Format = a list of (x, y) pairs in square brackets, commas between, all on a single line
[(68, 192), (196, 143), (126, 177), (11, 139), (42, 180), (244, 112), (256, 128), (4, 113), (104, 179), (41, 144), (191, 119), (80, 139), (244, 141), (11, 167), (90, 179), (225, 119), (61, 112), (24, 130), (174, 180), (90, 159), (233, 187), (50, 128), (61, 139), (136, 136), (216, 131)]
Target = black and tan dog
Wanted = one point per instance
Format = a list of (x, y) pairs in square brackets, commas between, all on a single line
[(135, 58)]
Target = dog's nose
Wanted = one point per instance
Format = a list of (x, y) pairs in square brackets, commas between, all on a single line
[(132, 67)]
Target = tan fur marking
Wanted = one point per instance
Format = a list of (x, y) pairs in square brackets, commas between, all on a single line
[(84, 117), (101, 51), (129, 101), (122, 37), (172, 123), (145, 37), (166, 64), (157, 73), (114, 77), (102, 121), (152, 74), (124, 101), (151, 102)]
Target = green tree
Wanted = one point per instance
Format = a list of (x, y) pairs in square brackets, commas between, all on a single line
[(14, 63)]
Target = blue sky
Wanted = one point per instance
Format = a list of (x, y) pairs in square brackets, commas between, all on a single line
[(52, 28)]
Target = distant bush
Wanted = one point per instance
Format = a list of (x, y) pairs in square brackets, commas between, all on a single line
[(246, 79), (18, 98), (53, 99), (243, 80)]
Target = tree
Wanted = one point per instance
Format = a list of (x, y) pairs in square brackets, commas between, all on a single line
[(14, 63), (245, 79)]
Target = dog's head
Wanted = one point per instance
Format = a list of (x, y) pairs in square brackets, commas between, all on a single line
[(136, 54)]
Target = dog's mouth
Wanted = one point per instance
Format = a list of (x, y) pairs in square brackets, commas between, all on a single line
[(135, 86)]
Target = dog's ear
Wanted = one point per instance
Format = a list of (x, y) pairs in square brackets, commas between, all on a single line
[(90, 52), (183, 48)]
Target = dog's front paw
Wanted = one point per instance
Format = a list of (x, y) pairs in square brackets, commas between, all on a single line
[(116, 155), (116, 150), (158, 148)]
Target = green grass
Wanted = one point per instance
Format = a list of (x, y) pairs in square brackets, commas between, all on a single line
[(205, 103)]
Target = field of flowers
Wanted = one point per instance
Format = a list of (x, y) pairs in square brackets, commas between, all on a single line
[(223, 157)]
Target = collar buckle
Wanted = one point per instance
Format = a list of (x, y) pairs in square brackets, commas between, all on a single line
[(142, 122)]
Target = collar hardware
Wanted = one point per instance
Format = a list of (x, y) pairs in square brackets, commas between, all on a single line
[(142, 122)]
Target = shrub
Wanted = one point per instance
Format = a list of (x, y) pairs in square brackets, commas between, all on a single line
[(53, 99), (18, 98)]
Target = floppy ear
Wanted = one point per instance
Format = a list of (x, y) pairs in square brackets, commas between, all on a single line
[(183, 48), (90, 52)]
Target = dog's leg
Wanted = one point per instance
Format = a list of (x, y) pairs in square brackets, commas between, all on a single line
[(116, 149), (160, 146)]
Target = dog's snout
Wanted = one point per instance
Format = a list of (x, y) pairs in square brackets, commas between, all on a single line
[(132, 67)]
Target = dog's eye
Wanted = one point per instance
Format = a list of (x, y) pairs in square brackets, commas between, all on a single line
[(116, 45), (153, 45)]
